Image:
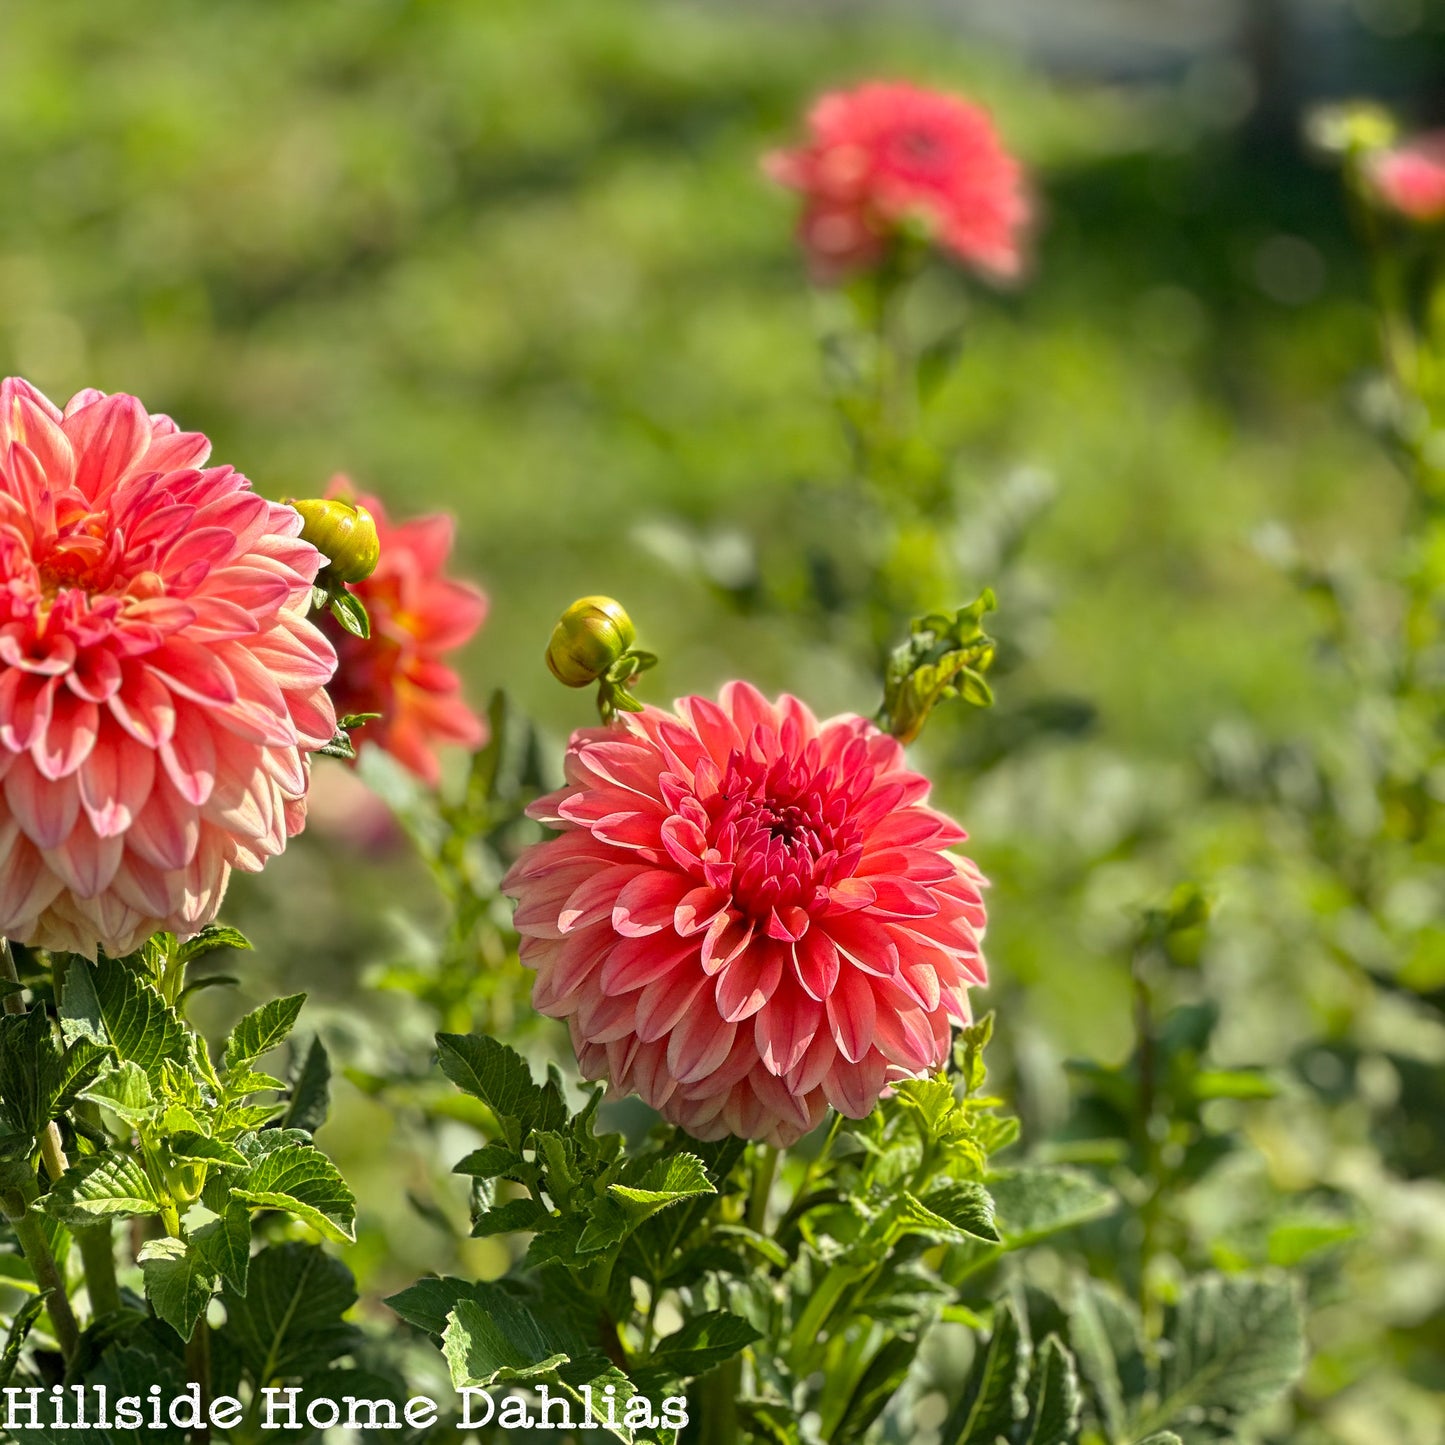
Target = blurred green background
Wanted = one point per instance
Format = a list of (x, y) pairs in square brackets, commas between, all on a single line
[(516, 260)]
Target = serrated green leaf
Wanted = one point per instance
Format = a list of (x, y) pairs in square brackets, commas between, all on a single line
[(1107, 1339), (212, 937), (301, 1181), (225, 1244), (1236, 1343), (499, 1077), (126, 1091), (191, 1145), (20, 1328), (515, 1216), (993, 1400), (877, 1386), (310, 1090), (38, 1078), (956, 1211), (491, 1161), (1053, 1394), (1039, 1200), (179, 1283), (429, 1302), (501, 1341), (109, 1002), (261, 1031), (290, 1323), (665, 1181), (703, 1342), (101, 1186)]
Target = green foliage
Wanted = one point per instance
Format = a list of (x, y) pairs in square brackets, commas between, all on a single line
[(944, 657)]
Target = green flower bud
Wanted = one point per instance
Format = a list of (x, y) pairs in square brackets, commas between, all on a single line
[(344, 534), (592, 634)]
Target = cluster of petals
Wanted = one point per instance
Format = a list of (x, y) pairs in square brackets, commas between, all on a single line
[(160, 686), (887, 155), (418, 615), (1410, 178), (748, 915)]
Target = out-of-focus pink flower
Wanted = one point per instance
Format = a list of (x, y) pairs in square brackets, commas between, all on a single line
[(885, 154), (1410, 177), (341, 809), (417, 615), (160, 685), (748, 914)]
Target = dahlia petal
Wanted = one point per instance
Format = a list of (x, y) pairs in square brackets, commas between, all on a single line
[(593, 899), (167, 829), (699, 908), (115, 781), (748, 982), (190, 759), (27, 886), (698, 1045), (852, 1015), (865, 942), (193, 671), (85, 863), (144, 707), (663, 1002), (109, 436), (25, 706), (785, 1027), (647, 901), (68, 738)]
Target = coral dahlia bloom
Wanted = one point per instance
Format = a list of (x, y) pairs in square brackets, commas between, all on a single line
[(417, 615), (885, 154), (748, 914), (1410, 178), (160, 685)]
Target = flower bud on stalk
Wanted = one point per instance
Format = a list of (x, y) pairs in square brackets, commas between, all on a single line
[(593, 642), (344, 533), (593, 634)]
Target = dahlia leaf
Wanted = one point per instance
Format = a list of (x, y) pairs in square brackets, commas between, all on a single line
[(1040, 1200), (429, 1302), (501, 1341), (37, 1080), (198, 1147), (1108, 1343), (1236, 1343), (1161, 1437), (261, 1031), (179, 1283), (211, 938), (666, 1181), (126, 1091), (1053, 1394), (964, 1210), (493, 1161), (20, 1328), (515, 1216), (289, 1322), (879, 1383), (99, 1187), (310, 1090), (703, 1342), (499, 1077), (225, 1244), (112, 1003), (350, 611), (993, 1401), (301, 1181)]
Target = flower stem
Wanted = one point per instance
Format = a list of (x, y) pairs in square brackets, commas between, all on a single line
[(97, 1253), (198, 1372), (36, 1249), (765, 1169)]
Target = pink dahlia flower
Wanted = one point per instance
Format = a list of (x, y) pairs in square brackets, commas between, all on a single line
[(886, 154), (748, 914), (418, 614), (160, 685), (1410, 178)]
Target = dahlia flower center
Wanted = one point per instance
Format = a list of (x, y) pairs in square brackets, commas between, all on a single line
[(785, 839)]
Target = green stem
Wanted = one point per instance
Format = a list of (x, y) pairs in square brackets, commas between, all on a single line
[(1150, 1162), (718, 1399), (97, 1253), (765, 1169), (36, 1249), (198, 1372)]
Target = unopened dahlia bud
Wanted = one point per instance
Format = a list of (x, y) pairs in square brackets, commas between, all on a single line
[(593, 634), (344, 533)]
